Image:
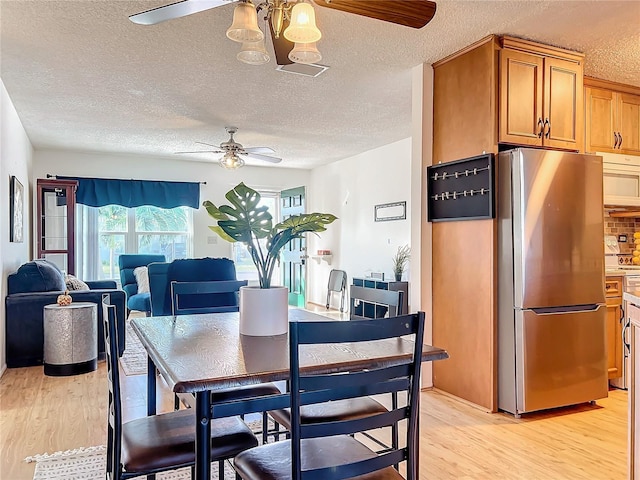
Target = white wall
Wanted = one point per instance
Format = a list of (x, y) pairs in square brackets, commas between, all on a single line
[(350, 189), (16, 155), (219, 181)]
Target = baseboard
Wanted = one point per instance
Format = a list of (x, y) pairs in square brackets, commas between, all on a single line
[(461, 400), (3, 369)]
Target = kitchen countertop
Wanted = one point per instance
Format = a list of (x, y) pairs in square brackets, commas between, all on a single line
[(616, 273), (632, 296)]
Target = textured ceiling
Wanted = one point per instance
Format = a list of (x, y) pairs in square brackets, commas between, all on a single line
[(83, 77)]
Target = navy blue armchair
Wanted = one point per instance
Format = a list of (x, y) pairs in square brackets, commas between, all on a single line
[(128, 263)]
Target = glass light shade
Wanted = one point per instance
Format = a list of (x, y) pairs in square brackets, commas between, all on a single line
[(231, 161), (245, 24), (302, 28), (305, 53), (253, 53)]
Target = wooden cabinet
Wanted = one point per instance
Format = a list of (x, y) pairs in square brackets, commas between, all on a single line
[(612, 117), (613, 289), (541, 95), (56, 220)]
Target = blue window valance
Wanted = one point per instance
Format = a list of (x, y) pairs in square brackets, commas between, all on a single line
[(98, 192)]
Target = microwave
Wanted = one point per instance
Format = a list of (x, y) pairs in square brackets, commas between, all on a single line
[(621, 179)]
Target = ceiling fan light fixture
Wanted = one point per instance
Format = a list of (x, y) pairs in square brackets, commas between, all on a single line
[(231, 161), (253, 53), (244, 27), (306, 53), (302, 28)]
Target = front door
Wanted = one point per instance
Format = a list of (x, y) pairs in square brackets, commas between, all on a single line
[(294, 254)]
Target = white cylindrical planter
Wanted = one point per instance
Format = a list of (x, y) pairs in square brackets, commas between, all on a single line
[(264, 311)]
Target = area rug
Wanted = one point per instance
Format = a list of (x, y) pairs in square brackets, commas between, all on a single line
[(90, 463), (134, 359)]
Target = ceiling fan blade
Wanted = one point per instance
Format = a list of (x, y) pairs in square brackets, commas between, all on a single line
[(410, 13), (281, 46), (208, 144), (257, 156), (259, 150), (201, 151), (175, 10)]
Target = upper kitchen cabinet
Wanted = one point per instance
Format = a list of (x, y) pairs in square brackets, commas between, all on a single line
[(541, 95), (612, 114)]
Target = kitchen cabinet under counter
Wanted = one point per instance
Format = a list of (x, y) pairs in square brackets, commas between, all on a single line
[(633, 313)]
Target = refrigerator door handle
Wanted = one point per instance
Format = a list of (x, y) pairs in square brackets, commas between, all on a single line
[(572, 309)]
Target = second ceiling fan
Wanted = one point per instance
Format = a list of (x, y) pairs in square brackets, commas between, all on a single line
[(291, 22)]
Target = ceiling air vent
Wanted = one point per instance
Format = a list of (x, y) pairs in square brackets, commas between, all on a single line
[(308, 70)]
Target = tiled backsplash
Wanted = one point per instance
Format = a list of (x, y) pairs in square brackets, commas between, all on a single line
[(622, 226)]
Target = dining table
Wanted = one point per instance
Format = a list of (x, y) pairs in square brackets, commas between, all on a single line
[(197, 354)]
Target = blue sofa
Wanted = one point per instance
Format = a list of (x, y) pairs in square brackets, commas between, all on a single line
[(36, 284), (188, 270), (127, 264)]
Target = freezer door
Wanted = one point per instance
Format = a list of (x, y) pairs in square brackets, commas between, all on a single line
[(560, 358), (558, 230)]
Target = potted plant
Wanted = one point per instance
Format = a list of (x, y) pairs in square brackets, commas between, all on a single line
[(246, 222), (400, 260)]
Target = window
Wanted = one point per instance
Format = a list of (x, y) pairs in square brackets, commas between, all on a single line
[(108, 232), (245, 268)]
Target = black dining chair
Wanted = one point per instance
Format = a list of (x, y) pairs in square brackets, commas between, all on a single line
[(391, 302), (162, 442), (201, 294), (330, 450)]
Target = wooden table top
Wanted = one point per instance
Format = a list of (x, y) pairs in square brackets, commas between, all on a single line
[(203, 352)]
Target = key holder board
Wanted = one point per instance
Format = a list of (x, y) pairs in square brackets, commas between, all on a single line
[(461, 190)]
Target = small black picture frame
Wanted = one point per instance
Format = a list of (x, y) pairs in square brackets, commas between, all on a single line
[(16, 211), (462, 189), (386, 212)]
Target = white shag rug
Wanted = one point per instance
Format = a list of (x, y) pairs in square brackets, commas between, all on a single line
[(134, 359), (90, 464)]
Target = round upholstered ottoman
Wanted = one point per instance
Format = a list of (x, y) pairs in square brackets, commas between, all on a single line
[(70, 339)]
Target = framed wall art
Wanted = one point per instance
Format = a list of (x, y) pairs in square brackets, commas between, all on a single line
[(16, 211), (390, 211)]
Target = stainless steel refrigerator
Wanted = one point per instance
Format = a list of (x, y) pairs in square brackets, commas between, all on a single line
[(551, 300)]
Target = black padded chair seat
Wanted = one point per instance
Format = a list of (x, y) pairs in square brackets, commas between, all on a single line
[(273, 461), (339, 410), (163, 441)]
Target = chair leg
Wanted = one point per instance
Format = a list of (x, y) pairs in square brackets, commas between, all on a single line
[(221, 470), (394, 427), (265, 428), (176, 402)]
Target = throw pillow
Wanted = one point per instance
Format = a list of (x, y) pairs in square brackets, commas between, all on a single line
[(38, 276), (74, 283), (142, 279)]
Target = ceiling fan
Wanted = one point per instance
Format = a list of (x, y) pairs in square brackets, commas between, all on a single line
[(234, 152), (410, 13)]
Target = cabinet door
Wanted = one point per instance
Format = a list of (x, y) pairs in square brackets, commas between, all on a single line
[(614, 337), (563, 104), (600, 108), (520, 98), (629, 123)]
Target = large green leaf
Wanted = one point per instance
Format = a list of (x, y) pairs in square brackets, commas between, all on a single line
[(243, 218), (295, 226)]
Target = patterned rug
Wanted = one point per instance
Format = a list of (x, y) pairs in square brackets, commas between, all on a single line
[(134, 359), (90, 463)]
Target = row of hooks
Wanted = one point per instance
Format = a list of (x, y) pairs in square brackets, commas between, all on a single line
[(462, 173), (456, 195)]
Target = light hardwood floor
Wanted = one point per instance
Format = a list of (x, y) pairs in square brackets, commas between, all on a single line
[(45, 414)]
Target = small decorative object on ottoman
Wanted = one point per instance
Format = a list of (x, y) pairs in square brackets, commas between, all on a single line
[(65, 299), (70, 338)]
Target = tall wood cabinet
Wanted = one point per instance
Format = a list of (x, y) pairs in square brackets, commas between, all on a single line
[(541, 95), (496, 91), (56, 207), (615, 357), (612, 114)]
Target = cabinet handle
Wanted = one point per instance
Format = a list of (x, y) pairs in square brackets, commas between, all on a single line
[(615, 143), (620, 137), (548, 124), (540, 127)]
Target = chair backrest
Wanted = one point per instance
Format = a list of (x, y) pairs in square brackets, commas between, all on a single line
[(375, 302), (183, 295), (114, 414), (127, 263), (337, 280), (400, 377)]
